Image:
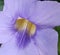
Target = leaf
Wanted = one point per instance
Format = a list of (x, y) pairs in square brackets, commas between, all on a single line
[(58, 30), (1, 4)]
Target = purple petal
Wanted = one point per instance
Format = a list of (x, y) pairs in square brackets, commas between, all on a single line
[(45, 13), (6, 35), (5, 21), (24, 6), (9, 48), (22, 39), (8, 41), (31, 49), (46, 41), (10, 7), (5, 27)]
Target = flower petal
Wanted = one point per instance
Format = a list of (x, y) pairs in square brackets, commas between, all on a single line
[(42, 44), (6, 27), (47, 40), (6, 35), (9, 48), (45, 13), (45, 43), (24, 6), (5, 21), (10, 7), (31, 49)]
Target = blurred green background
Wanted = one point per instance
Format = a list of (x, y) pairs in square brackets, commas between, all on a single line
[(56, 28), (1, 4)]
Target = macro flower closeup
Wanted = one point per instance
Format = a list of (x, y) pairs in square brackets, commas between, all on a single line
[(27, 27)]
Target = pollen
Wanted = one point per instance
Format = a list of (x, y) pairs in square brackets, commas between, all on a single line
[(31, 28), (23, 24)]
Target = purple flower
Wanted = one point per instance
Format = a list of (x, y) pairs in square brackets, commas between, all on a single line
[(26, 27)]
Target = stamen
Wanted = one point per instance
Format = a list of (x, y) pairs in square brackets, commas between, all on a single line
[(31, 28), (23, 24)]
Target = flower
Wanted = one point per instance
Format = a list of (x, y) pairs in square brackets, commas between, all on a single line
[(26, 27)]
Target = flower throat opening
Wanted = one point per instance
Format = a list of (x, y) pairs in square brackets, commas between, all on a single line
[(23, 24)]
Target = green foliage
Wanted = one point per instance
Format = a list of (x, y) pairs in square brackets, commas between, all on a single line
[(1, 4), (58, 30), (58, 0)]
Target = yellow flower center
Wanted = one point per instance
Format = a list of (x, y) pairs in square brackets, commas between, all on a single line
[(23, 24)]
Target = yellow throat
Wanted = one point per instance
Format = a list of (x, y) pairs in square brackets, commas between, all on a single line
[(23, 24)]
